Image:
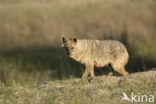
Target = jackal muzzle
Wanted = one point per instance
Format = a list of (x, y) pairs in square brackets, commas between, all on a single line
[(66, 50)]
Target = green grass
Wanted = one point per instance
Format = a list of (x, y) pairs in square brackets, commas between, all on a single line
[(71, 91), (37, 66)]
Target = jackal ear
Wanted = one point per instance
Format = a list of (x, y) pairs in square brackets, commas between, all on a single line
[(75, 40), (64, 40)]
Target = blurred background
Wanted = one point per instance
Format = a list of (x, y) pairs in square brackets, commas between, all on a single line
[(31, 31)]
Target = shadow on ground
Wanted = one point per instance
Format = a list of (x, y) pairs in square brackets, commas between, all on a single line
[(61, 65)]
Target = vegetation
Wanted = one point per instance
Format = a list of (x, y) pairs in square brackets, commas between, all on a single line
[(30, 41), (104, 91)]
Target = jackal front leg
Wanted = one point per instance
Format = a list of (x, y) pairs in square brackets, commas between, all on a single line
[(85, 74), (92, 72)]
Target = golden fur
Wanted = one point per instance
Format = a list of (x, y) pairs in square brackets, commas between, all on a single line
[(98, 53)]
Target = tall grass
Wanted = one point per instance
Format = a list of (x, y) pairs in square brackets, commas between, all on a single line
[(26, 23), (28, 28)]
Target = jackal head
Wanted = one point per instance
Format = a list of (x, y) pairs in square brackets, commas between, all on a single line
[(68, 45)]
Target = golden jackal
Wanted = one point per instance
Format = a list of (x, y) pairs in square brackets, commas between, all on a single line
[(97, 53)]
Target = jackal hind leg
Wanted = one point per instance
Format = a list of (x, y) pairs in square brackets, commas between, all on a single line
[(125, 74), (121, 70)]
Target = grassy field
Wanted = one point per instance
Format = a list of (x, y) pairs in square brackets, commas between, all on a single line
[(107, 90), (30, 40)]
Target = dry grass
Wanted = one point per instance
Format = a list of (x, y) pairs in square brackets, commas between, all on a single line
[(31, 24), (108, 90), (38, 25), (30, 33), (42, 23)]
